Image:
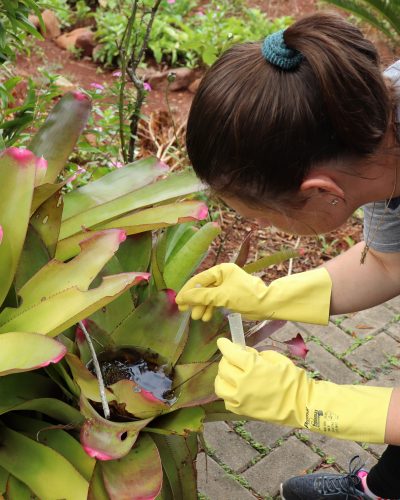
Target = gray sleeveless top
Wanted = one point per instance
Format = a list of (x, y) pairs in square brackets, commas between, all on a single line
[(387, 237)]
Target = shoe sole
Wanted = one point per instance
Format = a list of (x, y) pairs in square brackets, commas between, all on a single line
[(280, 491)]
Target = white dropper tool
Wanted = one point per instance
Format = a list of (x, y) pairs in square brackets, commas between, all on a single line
[(236, 326)]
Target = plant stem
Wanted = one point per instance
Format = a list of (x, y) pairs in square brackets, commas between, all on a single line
[(132, 51), (102, 390)]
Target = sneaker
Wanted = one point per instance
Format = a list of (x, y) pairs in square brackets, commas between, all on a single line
[(319, 486)]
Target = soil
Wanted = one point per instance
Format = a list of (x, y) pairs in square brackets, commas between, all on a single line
[(235, 229)]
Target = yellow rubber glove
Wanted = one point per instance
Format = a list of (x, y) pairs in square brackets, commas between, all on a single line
[(300, 297), (268, 386)]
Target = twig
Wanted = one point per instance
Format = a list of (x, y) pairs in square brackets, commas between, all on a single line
[(291, 260), (102, 390)]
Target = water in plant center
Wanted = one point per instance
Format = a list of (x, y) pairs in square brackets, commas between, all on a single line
[(143, 367)]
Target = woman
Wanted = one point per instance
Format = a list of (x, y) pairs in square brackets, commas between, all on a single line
[(298, 132)]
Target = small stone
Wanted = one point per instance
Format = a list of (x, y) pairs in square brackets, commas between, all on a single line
[(51, 23), (34, 20), (184, 78), (81, 38), (193, 87), (64, 85)]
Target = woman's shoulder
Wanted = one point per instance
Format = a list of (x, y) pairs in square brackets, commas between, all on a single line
[(393, 72)]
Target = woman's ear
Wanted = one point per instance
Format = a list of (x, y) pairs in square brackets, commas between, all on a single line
[(321, 183)]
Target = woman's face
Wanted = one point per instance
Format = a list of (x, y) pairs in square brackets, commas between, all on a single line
[(319, 215)]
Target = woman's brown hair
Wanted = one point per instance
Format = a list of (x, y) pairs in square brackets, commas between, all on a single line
[(255, 130)]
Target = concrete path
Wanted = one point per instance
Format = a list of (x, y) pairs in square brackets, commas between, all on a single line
[(248, 460)]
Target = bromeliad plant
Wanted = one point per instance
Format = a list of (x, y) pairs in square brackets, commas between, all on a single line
[(110, 255)]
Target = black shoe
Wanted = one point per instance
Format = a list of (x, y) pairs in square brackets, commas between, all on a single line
[(330, 486)]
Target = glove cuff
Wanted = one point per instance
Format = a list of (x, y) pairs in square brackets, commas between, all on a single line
[(352, 412), (304, 297)]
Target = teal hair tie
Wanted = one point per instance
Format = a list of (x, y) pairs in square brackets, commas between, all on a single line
[(275, 51)]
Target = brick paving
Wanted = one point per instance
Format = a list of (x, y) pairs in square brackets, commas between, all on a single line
[(248, 460)]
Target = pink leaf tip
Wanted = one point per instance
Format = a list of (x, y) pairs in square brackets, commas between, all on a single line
[(297, 346), (202, 212), (100, 455), (1, 234), (59, 356), (21, 155), (80, 96), (143, 277), (79, 335), (121, 236), (41, 163), (162, 166)]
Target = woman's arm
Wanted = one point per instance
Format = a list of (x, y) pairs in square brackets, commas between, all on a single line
[(358, 286), (392, 434)]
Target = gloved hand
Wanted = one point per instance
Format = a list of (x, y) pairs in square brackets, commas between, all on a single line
[(268, 386), (300, 297)]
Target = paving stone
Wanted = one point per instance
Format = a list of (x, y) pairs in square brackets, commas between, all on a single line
[(287, 332), (330, 335), (290, 459), (375, 318), (394, 331), (230, 448), (265, 433), (378, 449), (330, 367), (342, 451), (216, 484), (391, 379), (374, 353), (395, 303)]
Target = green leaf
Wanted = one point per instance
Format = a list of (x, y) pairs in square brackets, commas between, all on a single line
[(270, 260), (112, 186), (156, 324), (202, 338), (43, 192), (17, 178), (57, 439), (97, 490), (21, 352), (182, 422), (134, 254), (177, 237), (110, 316), (136, 476), (137, 401), (57, 137), (47, 473), (158, 217), (178, 455), (33, 257), (3, 480), (47, 221), (216, 412), (85, 379), (21, 387), (17, 489), (194, 384), (104, 439), (173, 186), (58, 296), (183, 264)]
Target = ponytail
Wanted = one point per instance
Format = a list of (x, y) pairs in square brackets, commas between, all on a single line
[(255, 129)]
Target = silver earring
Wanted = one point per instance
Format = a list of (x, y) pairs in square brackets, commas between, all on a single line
[(335, 201)]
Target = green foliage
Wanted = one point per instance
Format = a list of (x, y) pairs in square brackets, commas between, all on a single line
[(184, 35), (382, 14), (201, 37), (14, 25)]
